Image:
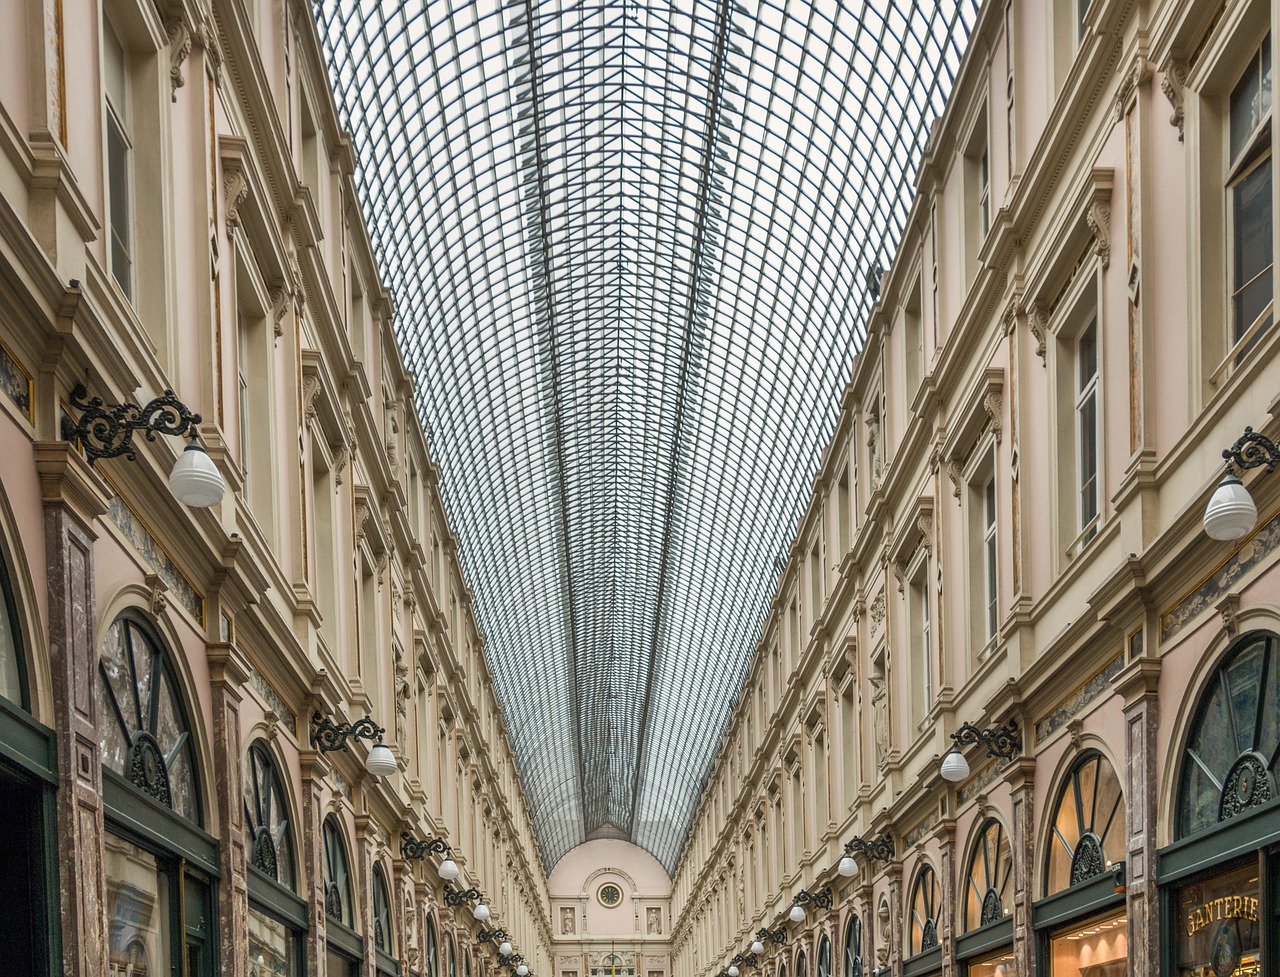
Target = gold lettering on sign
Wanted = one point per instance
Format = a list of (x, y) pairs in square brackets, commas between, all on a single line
[(1224, 907)]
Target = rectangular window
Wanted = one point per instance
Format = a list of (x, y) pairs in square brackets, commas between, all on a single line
[(1250, 202), (977, 195), (119, 151), (989, 559), (1082, 8), (984, 194), (922, 651), (913, 337), (1087, 426)]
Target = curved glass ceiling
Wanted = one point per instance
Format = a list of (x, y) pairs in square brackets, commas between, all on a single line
[(630, 245)]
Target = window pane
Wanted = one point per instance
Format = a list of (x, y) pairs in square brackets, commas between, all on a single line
[(118, 202), (272, 947), (1088, 460), (1095, 949), (137, 910), (1251, 201), (1087, 355), (1250, 102), (10, 677)]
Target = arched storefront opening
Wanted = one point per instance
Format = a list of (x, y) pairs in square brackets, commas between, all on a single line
[(383, 935), (432, 950), (853, 946), (159, 865), (345, 948), (924, 952), (1080, 923), (824, 957), (277, 917), (1220, 879), (986, 904)]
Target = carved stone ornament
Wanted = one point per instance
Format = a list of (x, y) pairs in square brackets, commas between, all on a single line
[(1010, 317), (877, 610), (1246, 786), (235, 187), (1098, 217), (924, 522), (279, 306), (159, 594), (991, 403), (1087, 862), (341, 454), (1038, 323), (310, 387), (1173, 83), (361, 517), (900, 574), (1139, 74), (207, 38), (179, 49), (953, 473)]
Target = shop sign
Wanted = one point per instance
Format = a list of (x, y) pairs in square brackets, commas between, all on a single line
[(1220, 933)]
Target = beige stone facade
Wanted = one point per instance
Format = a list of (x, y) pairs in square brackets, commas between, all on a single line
[(1068, 252)]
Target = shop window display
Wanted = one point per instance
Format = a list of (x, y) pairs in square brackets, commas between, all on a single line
[(998, 964), (140, 925), (1219, 932), (273, 947), (1098, 947)]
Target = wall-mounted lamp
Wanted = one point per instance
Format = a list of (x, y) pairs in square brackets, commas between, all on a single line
[(745, 959), (107, 432), (510, 960), (327, 736), (1231, 513), (778, 936), (819, 900), (880, 850), (413, 849), (522, 971), (498, 936), (1002, 741), (457, 897)]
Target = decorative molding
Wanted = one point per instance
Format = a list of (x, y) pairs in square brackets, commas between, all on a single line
[(1173, 83), (279, 306), (1098, 217), (1229, 608), (1038, 323), (235, 187), (1075, 703), (159, 598), (991, 403), (360, 514), (924, 522), (179, 49), (310, 387), (1139, 74), (150, 550), (206, 36), (877, 610)]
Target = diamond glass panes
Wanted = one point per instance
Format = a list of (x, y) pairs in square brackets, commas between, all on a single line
[(629, 247)]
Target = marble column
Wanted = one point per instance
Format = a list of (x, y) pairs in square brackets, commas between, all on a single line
[(228, 672), (74, 497), (311, 867), (946, 921), (1138, 684), (365, 849), (895, 919), (1020, 775)]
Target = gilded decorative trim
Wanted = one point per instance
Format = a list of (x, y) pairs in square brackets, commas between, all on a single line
[(272, 698), (16, 382), (1205, 597), (1075, 703)]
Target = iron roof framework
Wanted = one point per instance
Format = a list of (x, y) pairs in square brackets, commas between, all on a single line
[(630, 245)]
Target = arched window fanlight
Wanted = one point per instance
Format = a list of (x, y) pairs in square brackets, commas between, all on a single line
[(1088, 824), (266, 817), (924, 912), (432, 950), (381, 911), (337, 879), (1231, 763), (13, 684), (802, 965), (451, 956), (990, 878), (144, 733), (853, 947), (824, 957)]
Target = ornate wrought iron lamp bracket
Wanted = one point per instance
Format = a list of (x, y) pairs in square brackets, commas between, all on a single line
[(107, 432), (490, 936), (778, 936), (327, 736), (1002, 741), (1252, 450), (878, 849), (414, 849), (745, 960), (822, 899), (458, 897), (510, 960)]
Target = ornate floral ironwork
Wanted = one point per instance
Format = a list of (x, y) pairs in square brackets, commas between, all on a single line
[(107, 432), (928, 935), (822, 899), (745, 960), (333, 900), (1252, 450), (1088, 861), (415, 849), (992, 908), (879, 849), (1002, 741), (509, 960), (1246, 786), (147, 769), (458, 897), (778, 936), (491, 936), (327, 736), (264, 853)]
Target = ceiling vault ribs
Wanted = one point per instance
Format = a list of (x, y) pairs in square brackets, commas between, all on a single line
[(544, 290), (697, 279)]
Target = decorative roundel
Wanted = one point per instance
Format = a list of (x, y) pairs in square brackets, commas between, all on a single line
[(609, 895)]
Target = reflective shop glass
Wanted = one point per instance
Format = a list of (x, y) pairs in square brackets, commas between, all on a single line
[(1219, 926), (138, 911), (273, 947)]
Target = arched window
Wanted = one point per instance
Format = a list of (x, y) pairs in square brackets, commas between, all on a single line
[(990, 878), (1088, 833), (337, 880), (382, 938), (1232, 759), (853, 947), (824, 957), (145, 736), (466, 964), (451, 956), (266, 817), (802, 965), (924, 912), (13, 672), (432, 950)]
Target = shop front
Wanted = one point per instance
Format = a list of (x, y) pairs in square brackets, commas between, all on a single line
[(1080, 923), (1220, 879)]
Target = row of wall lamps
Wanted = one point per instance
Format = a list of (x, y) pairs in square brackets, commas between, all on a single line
[(1231, 512), (876, 850), (107, 432), (327, 736), (821, 899), (457, 897), (1000, 741), (414, 849)]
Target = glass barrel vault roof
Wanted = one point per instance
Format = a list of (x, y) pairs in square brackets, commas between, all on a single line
[(630, 246)]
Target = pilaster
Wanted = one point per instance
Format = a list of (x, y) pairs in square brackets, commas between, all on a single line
[(1020, 776), (228, 672), (1138, 683)]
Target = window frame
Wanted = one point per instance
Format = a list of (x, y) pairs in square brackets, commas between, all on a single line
[(119, 119)]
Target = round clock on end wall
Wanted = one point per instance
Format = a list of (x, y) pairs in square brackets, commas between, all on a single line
[(609, 895)]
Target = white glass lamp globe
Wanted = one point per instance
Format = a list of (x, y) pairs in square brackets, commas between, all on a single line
[(1230, 513), (797, 913), (733, 970), (505, 949), (195, 479), (757, 948), (481, 912), (448, 870), (848, 866), (522, 971), (954, 766), (380, 762)]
